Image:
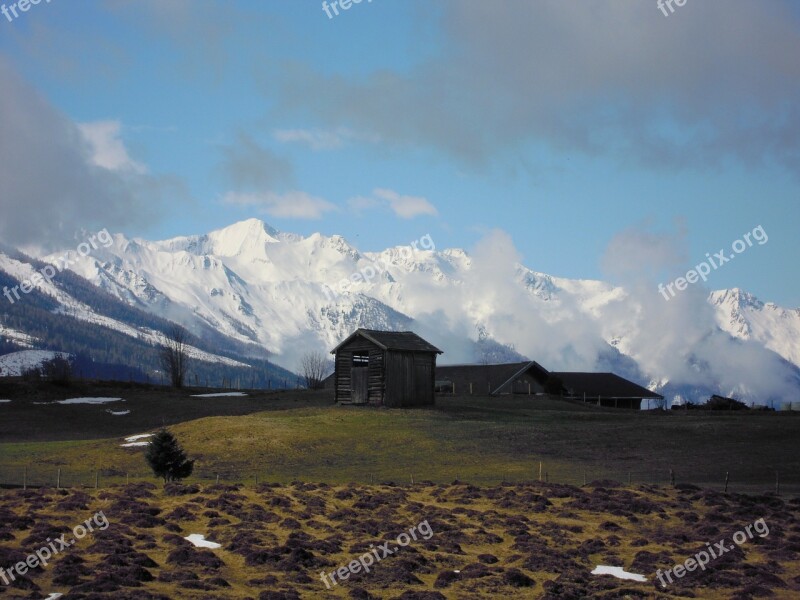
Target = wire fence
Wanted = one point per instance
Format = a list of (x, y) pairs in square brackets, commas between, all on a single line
[(37, 476)]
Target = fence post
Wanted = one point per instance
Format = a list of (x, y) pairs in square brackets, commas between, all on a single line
[(96, 479), (540, 470), (58, 479), (672, 477), (727, 474), (777, 483), (25, 478)]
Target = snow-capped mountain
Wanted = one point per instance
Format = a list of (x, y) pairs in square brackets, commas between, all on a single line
[(43, 316), (289, 294), (745, 317)]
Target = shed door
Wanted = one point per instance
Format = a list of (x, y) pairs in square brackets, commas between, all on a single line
[(359, 377), (422, 384)]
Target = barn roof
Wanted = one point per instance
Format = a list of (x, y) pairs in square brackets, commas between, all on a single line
[(607, 385), (407, 341), (496, 376)]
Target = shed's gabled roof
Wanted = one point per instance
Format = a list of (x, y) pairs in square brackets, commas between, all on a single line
[(392, 340), (607, 385)]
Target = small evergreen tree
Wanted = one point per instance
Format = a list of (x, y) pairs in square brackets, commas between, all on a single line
[(166, 457)]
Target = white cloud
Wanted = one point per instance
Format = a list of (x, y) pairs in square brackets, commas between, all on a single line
[(503, 82), (247, 163), (290, 205), (405, 207), (108, 149), (320, 139), (316, 139), (361, 203), (47, 165)]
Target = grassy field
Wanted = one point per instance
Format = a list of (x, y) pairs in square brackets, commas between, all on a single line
[(32, 416), (515, 541), (302, 436), (335, 479)]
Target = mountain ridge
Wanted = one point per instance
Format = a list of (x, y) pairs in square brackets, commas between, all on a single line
[(287, 293)]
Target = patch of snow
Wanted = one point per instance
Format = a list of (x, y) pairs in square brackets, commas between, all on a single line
[(220, 395), (90, 400), (200, 541), (118, 413), (20, 338), (136, 441), (4, 401), (618, 572), (15, 363), (54, 596)]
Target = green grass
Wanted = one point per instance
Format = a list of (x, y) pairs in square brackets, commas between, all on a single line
[(483, 440)]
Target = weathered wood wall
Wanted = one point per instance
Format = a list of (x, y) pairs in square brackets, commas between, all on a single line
[(394, 378), (344, 365), (410, 378)]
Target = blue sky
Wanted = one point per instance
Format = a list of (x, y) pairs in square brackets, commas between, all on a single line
[(569, 125)]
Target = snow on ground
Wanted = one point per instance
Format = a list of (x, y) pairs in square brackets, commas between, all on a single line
[(220, 395), (13, 364), (201, 542), (618, 572), (90, 400), (54, 596), (20, 338), (118, 413), (135, 441), (4, 401)]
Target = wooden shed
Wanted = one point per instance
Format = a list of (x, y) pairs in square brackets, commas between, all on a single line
[(385, 368)]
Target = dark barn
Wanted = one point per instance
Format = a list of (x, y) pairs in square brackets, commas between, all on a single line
[(605, 389), (509, 378), (385, 368), (602, 389)]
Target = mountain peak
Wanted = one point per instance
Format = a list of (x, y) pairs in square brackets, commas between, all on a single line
[(243, 237), (248, 227), (736, 297)]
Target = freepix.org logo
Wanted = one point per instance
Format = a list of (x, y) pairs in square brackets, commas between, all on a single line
[(12, 11), (63, 262), (702, 270), (332, 9)]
